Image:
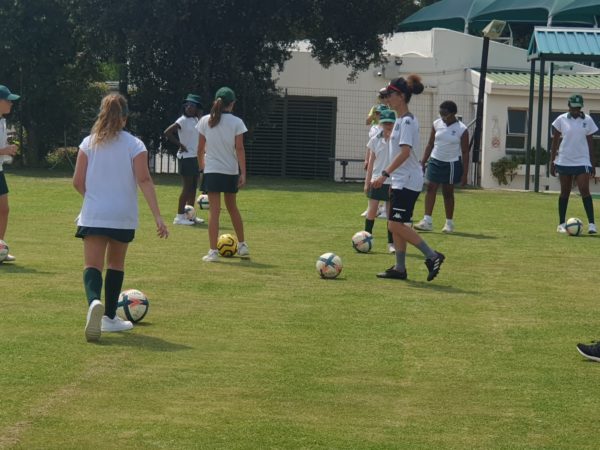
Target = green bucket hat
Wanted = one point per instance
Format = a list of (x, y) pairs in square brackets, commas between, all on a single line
[(381, 108), (576, 101), (193, 98), (387, 116), (226, 94), (5, 94)]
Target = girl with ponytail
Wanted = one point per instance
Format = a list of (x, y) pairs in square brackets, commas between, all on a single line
[(111, 163), (222, 156)]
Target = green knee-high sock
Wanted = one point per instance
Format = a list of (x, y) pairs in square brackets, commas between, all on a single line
[(588, 204), (562, 208), (390, 237), (92, 282), (112, 288), (369, 225)]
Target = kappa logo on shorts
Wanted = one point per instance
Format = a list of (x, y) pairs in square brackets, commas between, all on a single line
[(397, 216)]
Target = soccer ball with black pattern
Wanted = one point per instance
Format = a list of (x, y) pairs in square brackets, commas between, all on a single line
[(202, 201), (3, 250), (329, 265), (227, 245), (133, 305), (574, 226), (189, 212), (362, 242)]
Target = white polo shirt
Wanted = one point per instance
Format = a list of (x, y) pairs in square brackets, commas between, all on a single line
[(446, 146), (221, 156), (381, 149), (3, 142), (110, 199), (410, 173), (574, 150), (188, 136)]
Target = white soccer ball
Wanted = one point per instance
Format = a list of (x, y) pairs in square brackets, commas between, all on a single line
[(574, 226), (132, 305), (202, 201), (189, 212), (329, 265), (3, 250), (362, 241)]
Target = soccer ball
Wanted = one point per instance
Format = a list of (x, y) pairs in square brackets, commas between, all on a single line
[(329, 265), (189, 212), (362, 241), (132, 305), (3, 250), (574, 226), (227, 245), (202, 201)]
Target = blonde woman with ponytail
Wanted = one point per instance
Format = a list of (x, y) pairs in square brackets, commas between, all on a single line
[(222, 157), (111, 163)]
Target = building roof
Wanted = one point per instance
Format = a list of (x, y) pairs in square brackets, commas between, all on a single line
[(565, 44), (570, 81)]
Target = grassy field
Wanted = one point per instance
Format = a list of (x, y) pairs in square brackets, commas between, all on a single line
[(262, 353)]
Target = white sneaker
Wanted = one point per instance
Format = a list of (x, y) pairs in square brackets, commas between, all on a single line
[(92, 323), (243, 249), (391, 248), (364, 214), (198, 220), (561, 228), (117, 324), (591, 230), (182, 221), (9, 258), (448, 228), (382, 214), (424, 226), (211, 256)]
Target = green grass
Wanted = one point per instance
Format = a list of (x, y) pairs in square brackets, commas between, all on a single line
[(264, 354)]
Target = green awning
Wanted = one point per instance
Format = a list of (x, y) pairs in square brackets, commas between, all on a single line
[(451, 14), (575, 82), (542, 12), (565, 44)]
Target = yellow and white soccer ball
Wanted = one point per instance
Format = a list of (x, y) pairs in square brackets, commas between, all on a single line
[(329, 265), (227, 245)]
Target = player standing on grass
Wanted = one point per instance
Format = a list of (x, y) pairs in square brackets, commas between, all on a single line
[(109, 164), (378, 148), (448, 147), (222, 157), (184, 134), (6, 153), (407, 179), (575, 159)]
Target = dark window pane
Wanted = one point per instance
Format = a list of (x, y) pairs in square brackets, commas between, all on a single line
[(517, 121)]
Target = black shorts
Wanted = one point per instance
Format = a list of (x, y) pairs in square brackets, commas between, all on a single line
[(572, 170), (3, 185), (117, 234), (402, 204), (442, 172), (220, 182), (382, 193), (188, 167)]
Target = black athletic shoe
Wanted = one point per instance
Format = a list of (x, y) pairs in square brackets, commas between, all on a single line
[(393, 273), (590, 351), (434, 264)]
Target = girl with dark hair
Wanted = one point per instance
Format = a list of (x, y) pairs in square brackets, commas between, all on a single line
[(109, 164), (222, 157), (184, 134), (406, 174), (448, 147)]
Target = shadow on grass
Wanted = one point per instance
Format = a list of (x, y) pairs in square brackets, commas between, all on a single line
[(243, 261), (471, 235), (14, 268), (142, 341), (438, 287)]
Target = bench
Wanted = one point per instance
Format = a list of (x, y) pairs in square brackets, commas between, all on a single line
[(344, 163)]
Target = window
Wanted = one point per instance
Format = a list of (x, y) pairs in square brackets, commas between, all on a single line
[(516, 131)]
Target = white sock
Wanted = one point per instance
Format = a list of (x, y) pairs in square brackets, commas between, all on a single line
[(428, 219), (449, 222)]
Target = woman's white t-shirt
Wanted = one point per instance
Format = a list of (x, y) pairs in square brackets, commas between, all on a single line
[(110, 199), (220, 156), (380, 147), (3, 141), (409, 174), (574, 149), (188, 136), (447, 146)]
